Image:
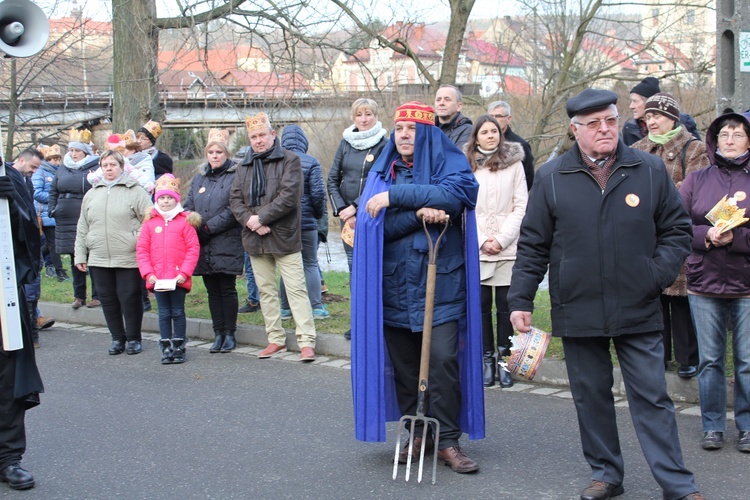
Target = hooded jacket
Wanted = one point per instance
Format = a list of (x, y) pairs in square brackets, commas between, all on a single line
[(314, 195), (64, 204), (42, 181), (501, 203), (109, 225), (168, 248), (718, 270), (610, 251), (221, 240), (279, 208), (458, 129)]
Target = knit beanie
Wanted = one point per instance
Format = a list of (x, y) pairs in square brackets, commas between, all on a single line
[(665, 104), (167, 184), (648, 87)]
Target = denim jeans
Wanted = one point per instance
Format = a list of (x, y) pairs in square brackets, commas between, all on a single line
[(252, 288), (312, 271), (172, 312), (712, 316)]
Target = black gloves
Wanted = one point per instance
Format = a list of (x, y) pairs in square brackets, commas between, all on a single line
[(7, 190), (203, 233)]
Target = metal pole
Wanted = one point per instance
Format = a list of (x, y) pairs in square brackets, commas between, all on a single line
[(732, 56)]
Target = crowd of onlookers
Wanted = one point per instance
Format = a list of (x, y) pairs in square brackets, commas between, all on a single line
[(119, 217)]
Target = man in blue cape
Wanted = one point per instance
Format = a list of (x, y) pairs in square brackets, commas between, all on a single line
[(420, 175)]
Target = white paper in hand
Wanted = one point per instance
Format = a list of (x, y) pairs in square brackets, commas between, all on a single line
[(165, 285)]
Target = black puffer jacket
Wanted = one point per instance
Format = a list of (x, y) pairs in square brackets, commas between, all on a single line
[(314, 197), (458, 129), (221, 246), (65, 199), (348, 174)]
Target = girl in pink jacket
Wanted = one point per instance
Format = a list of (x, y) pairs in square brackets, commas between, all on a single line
[(167, 253)]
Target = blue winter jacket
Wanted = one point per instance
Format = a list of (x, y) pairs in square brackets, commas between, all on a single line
[(314, 196), (42, 181)]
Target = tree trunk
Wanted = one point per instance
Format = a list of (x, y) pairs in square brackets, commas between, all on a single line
[(12, 110), (460, 11), (135, 40)]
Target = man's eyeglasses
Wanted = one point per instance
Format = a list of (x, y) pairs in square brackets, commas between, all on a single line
[(735, 137), (595, 124), (497, 117)]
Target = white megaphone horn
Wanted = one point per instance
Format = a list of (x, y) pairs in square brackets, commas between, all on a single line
[(24, 28)]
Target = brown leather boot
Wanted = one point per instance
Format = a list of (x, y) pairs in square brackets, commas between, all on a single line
[(403, 457), (599, 490), (457, 460)]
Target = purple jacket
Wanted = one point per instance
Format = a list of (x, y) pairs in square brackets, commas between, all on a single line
[(718, 270)]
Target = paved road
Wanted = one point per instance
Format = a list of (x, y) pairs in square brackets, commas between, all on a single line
[(232, 426)]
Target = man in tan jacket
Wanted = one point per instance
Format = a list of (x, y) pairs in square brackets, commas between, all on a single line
[(265, 199)]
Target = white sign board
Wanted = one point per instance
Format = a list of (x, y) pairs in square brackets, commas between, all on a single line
[(745, 51)]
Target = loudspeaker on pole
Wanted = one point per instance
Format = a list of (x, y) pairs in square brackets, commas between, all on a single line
[(24, 28)]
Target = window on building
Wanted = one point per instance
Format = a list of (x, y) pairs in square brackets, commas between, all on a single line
[(690, 17)]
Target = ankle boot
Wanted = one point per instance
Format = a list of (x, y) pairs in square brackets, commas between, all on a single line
[(229, 342), (165, 346), (488, 374), (218, 341), (62, 275), (178, 350)]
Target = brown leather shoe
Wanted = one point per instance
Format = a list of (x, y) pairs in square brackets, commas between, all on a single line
[(77, 303), (457, 460), (694, 496), (270, 350), (429, 447), (599, 490), (307, 354), (44, 323), (94, 303)]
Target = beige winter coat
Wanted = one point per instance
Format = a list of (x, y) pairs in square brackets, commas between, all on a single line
[(110, 223), (501, 203)]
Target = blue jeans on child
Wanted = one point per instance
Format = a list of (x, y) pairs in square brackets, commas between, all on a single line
[(172, 312), (712, 316)]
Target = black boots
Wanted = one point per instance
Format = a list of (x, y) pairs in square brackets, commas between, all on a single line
[(62, 275), (172, 351), (178, 351), (218, 341), (488, 373), (229, 342), (165, 346)]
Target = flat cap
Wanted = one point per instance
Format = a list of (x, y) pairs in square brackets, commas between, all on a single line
[(588, 101)]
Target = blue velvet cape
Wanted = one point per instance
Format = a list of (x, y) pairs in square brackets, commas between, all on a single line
[(373, 386)]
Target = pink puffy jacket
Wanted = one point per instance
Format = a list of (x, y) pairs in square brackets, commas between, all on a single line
[(166, 249)]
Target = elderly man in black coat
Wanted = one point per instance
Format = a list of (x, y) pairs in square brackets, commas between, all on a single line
[(20, 382)]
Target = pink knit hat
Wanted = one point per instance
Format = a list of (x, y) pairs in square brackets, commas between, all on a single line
[(168, 184)]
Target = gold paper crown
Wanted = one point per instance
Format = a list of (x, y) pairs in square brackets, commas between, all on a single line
[(153, 128), (50, 151), (128, 137), (83, 136), (257, 122), (218, 135), (167, 183)]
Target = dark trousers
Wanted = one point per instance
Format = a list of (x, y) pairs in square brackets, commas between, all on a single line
[(172, 313), (641, 360), (49, 235), (120, 293), (504, 327), (12, 414), (222, 300), (79, 283), (443, 401), (679, 330)]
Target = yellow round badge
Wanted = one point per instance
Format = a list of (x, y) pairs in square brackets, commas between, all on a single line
[(158, 229), (202, 190), (369, 158), (632, 200), (740, 195)]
